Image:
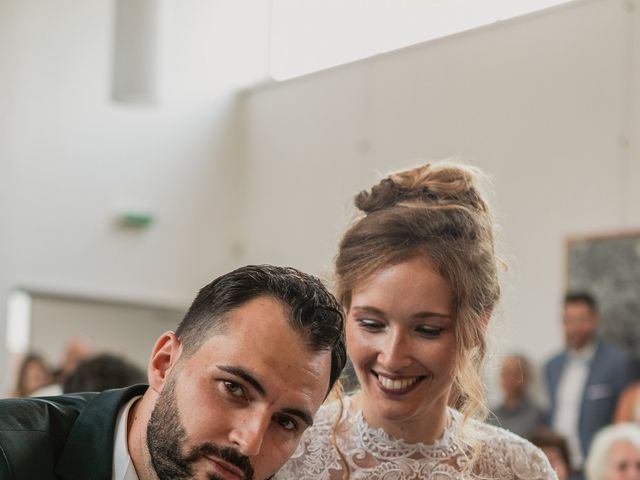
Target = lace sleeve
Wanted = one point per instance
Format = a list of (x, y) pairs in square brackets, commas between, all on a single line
[(539, 463), (506, 455)]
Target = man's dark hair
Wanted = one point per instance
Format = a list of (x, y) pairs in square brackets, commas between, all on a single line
[(543, 437), (582, 297), (102, 372), (313, 312)]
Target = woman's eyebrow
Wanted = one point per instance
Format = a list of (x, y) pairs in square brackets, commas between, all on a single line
[(431, 315), (369, 309), (381, 313)]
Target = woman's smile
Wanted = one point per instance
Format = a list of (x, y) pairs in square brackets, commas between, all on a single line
[(400, 337), (394, 385)]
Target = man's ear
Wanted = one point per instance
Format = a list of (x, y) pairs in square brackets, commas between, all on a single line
[(164, 356)]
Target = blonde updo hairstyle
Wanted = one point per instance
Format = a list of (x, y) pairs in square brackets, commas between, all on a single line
[(436, 212)]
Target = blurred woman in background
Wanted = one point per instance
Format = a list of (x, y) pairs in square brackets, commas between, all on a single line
[(615, 453), (33, 374)]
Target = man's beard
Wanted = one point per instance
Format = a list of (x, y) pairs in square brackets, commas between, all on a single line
[(165, 441)]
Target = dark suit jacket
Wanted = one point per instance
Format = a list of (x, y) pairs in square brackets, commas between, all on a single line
[(69, 437), (610, 371)]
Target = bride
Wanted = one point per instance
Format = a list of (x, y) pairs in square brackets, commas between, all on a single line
[(416, 274)]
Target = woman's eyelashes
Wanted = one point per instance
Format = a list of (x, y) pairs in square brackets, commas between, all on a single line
[(429, 332), (371, 325)]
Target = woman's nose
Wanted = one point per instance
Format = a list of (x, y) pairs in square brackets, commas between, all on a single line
[(394, 354)]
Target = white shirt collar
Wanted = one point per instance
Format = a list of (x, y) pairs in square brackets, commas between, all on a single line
[(122, 465), (584, 354)]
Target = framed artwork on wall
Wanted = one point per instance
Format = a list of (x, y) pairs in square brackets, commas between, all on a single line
[(608, 266)]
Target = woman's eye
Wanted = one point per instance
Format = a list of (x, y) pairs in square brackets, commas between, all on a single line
[(234, 389), (286, 422), (371, 325), (429, 332)]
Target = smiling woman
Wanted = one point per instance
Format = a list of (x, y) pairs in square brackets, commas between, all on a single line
[(402, 345), (417, 276)]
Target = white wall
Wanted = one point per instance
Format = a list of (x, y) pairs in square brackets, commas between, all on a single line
[(125, 329), (70, 158), (547, 103)]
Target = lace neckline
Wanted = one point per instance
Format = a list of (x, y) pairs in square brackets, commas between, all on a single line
[(466, 450), (385, 446)]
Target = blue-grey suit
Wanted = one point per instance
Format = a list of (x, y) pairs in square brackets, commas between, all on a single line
[(610, 371)]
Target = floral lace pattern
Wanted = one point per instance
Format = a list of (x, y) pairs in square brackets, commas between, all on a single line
[(372, 454)]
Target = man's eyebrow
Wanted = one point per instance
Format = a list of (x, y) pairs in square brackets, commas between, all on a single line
[(304, 415), (246, 376)]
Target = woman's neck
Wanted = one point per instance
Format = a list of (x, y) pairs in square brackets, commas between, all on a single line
[(425, 426)]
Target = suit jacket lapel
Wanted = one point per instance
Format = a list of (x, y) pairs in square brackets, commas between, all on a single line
[(88, 453), (557, 375)]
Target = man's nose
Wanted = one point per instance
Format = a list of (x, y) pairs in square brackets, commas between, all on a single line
[(394, 354), (247, 436)]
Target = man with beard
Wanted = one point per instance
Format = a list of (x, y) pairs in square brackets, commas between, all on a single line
[(229, 396)]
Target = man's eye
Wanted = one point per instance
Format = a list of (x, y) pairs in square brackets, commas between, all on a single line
[(429, 332), (370, 325), (234, 389), (286, 422)]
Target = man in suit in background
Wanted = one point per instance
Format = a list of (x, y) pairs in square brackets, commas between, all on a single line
[(585, 381), (230, 392)]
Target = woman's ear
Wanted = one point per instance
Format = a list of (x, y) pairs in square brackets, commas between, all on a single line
[(164, 356), (484, 321)]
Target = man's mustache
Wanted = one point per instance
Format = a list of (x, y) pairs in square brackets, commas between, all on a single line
[(228, 454)]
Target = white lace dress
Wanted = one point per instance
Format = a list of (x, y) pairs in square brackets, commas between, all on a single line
[(372, 454)]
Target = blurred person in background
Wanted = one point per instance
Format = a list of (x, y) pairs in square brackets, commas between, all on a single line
[(585, 381), (77, 349), (517, 413), (628, 408), (555, 448), (615, 453), (33, 374), (103, 372)]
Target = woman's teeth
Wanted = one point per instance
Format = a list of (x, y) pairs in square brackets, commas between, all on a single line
[(397, 384)]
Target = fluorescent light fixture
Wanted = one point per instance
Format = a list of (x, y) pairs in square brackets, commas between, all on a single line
[(136, 55), (18, 321)]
